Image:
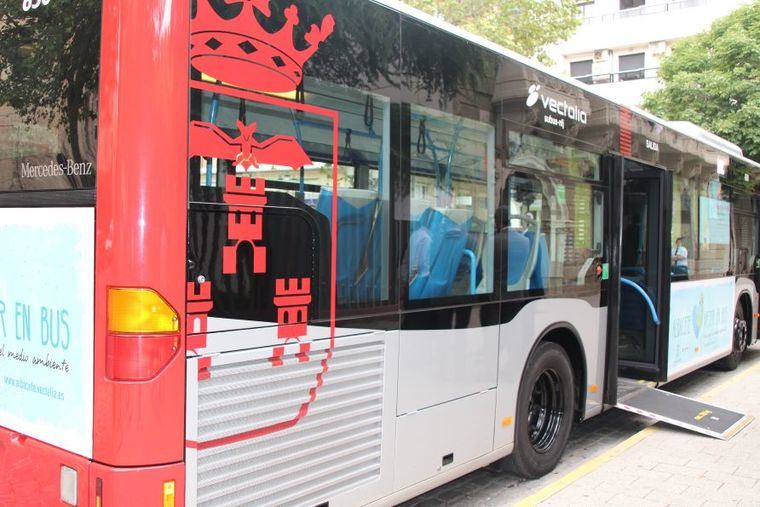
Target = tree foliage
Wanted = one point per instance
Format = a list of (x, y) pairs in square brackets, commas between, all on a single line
[(525, 26), (48, 64), (713, 80)]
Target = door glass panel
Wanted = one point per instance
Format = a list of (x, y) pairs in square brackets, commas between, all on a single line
[(640, 265)]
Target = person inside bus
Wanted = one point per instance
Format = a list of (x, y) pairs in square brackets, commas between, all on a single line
[(680, 256)]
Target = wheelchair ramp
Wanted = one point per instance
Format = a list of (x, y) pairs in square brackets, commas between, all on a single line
[(694, 415)]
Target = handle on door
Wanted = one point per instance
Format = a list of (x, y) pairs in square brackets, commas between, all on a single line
[(636, 287)]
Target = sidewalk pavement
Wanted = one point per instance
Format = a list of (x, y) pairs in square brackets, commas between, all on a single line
[(621, 459)]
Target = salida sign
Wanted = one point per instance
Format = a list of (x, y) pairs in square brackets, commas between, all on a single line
[(557, 110)]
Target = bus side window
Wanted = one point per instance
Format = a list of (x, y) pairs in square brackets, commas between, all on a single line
[(363, 197), (553, 211), (451, 234), (553, 232), (362, 173), (527, 256)]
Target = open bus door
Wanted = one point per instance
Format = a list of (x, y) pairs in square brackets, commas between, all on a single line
[(639, 297), (644, 271)]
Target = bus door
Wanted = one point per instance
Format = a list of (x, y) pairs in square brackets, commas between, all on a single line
[(643, 196), (644, 271)]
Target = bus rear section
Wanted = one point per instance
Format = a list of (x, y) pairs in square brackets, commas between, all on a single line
[(92, 264), (47, 229)]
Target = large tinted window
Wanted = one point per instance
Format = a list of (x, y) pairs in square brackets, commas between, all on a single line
[(745, 236), (551, 217), (744, 217), (49, 62), (701, 221), (452, 206), (341, 112), (450, 169), (363, 172)]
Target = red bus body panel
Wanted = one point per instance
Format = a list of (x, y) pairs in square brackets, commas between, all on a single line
[(31, 472), (31, 477), (141, 215), (127, 487)]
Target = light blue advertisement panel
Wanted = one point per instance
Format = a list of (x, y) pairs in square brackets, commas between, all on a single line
[(701, 323), (46, 325)]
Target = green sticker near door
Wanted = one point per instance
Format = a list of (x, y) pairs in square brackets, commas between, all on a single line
[(605, 271)]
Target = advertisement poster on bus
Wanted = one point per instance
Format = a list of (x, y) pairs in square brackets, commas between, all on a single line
[(700, 323), (46, 325)]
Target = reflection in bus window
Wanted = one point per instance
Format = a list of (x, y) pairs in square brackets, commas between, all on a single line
[(527, 251), (452, 206), (745, 235), (554, 231), (555, 217), (701, 218), (537, 153), (362, 174), (49, 69)]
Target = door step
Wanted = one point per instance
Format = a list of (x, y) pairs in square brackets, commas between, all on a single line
[(643, 398)]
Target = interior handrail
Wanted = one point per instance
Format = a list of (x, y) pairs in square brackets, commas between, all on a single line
[(473, 270), (643, 294)]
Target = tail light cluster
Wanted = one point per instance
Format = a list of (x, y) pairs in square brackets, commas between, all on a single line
[(143, 334)]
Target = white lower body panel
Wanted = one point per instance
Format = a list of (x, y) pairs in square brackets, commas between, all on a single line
[(375, 419), (296, 433)]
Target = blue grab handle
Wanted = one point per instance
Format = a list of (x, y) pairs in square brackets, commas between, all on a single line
[(473, 270), (643, 294)]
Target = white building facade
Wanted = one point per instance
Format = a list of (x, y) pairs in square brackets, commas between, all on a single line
[(620, 44)]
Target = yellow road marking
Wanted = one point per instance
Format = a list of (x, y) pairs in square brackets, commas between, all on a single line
[(585, 469), (594, 463), (730, 382)]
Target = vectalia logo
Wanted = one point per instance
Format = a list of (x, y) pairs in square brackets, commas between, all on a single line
[(533, 95), (560, 108)]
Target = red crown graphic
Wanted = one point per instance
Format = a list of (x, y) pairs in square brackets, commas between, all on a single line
[(242, 53)]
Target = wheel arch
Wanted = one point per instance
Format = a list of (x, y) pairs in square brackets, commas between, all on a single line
[(566, 336)]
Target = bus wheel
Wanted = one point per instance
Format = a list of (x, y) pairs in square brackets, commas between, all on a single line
[(545, 408), (741, 331)]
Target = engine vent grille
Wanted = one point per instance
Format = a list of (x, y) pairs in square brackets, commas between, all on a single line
[(304, 452)]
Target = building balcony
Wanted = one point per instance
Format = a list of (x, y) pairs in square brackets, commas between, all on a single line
[(646, 10)]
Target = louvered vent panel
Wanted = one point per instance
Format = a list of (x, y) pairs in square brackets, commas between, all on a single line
[(334, 448)]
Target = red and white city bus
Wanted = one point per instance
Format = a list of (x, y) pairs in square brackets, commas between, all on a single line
[(332, 252)]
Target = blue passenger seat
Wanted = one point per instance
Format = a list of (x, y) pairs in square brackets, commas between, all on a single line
[(447, 244), (540, 276), (356, 213), (520, 275), (518, 251)]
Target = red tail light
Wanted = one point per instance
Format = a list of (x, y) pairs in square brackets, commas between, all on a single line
[(143, 334)]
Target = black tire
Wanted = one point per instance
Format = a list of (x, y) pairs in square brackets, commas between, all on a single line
[(740, 340), (545, 411)]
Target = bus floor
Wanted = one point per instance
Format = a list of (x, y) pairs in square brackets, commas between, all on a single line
[(619, 458)]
